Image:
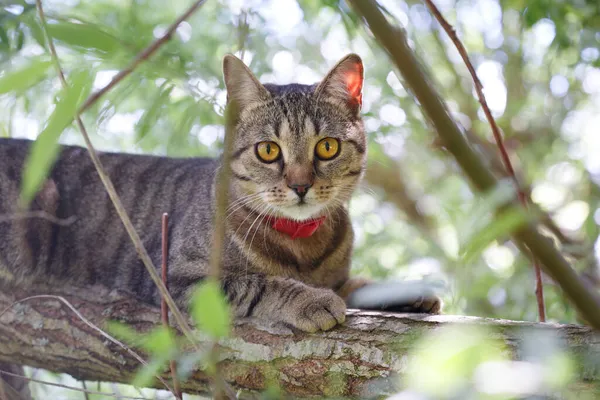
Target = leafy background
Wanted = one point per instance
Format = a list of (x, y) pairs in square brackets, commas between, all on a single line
[(415, 216)]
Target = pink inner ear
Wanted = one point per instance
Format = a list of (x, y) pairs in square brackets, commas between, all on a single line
[(354, 82)]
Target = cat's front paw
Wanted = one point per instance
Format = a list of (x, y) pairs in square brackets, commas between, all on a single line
[(317, 309)]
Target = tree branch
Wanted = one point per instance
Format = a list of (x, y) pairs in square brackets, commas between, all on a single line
[(365, 356), (164, 309), (110, 189), (141, 57), (539, 288), (394, 41)]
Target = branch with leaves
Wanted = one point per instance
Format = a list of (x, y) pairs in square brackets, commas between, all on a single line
[(539, 289), (222, 389), (394, 40), (144, 55)]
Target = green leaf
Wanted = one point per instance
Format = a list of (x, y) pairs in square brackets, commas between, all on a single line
[(145, 376), (210, 309), (45, 149), (26, 77), (151, 115), (123, 332), (35, 29), (86, 36), (20, 39), (504, 224), (187, 119), (159, 341), (4, 39)]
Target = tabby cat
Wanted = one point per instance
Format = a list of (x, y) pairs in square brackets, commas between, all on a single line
[(299, 153)]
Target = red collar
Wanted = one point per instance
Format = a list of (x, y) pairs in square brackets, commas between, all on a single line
[(296, 229)]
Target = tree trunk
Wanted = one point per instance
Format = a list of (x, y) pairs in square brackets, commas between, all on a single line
[(364, 357)]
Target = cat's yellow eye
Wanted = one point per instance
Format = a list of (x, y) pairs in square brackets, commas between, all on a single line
[(327, 148), (268, 152)]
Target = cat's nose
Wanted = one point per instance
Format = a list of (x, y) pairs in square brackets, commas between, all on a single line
[(300, 189)]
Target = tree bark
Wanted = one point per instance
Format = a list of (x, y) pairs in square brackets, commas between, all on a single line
[(365, 356)]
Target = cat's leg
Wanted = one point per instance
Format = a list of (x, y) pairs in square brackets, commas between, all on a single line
[(284, 300), (413, 297), (278, 299), (28, 232)]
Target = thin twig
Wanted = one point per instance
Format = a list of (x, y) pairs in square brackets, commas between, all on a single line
[(165, 250), (243, 31), (39, 214), (87, 392), (88, 323), (394, 41), (539, 289), (222, 389), (222, 192), (496, 164), (144, 55), (163, 304), (110, 189), (141, 57)]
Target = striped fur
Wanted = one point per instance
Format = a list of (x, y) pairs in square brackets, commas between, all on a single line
[(265, 273)]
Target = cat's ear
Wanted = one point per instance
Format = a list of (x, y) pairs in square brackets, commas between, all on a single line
[(242, 86), (345, 82)]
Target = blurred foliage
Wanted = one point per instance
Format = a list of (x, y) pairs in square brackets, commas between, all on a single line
[(474, 363), (539, 62), (209, 311)]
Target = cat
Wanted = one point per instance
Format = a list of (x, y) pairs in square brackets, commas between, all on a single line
[(299, 152)]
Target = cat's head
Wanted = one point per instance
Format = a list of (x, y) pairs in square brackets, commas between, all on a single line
[(299, 150)]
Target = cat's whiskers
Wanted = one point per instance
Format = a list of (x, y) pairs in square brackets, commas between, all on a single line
[(335, 205), (265, 207), (249, 204), (241, 202), (344, 193), (266, 214), (243, 198), (328, 220), (364, 187), (242, 224), (265, 228)]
